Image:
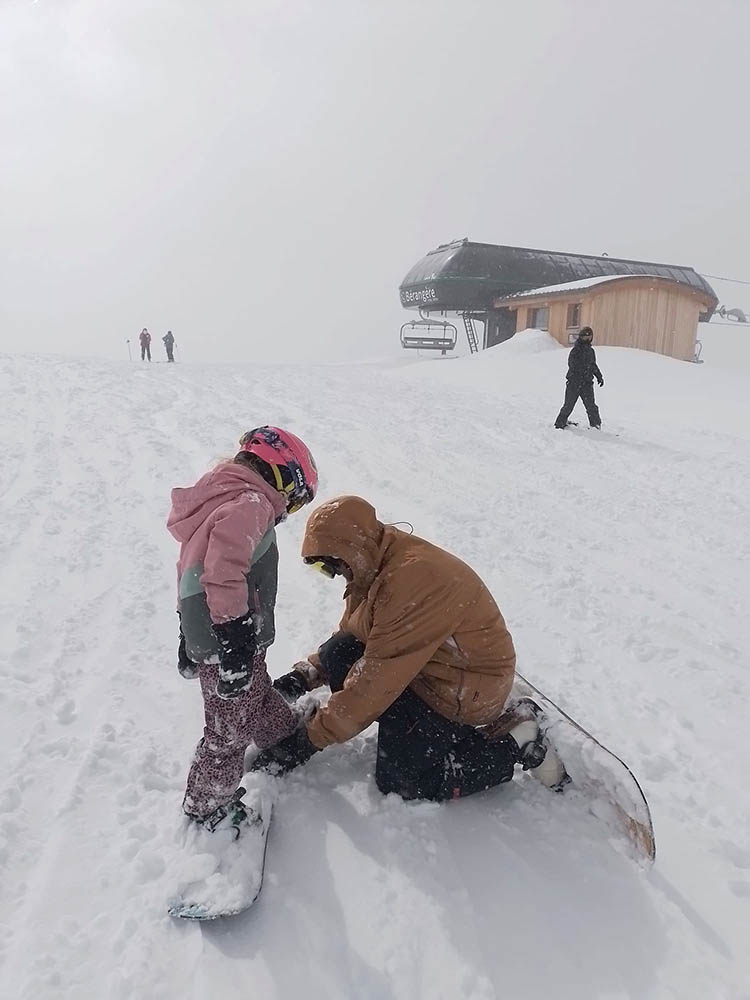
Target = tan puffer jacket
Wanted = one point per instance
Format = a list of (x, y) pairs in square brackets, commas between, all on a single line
[(428, 622)]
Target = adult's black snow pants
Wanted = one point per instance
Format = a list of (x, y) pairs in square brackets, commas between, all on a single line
[(574, 392), (421, 754), (170, 352), (145, 352)]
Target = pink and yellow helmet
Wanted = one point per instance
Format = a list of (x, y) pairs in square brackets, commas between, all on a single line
[(290, 460)]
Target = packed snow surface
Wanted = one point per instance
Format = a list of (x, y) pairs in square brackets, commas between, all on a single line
[(620, 560)]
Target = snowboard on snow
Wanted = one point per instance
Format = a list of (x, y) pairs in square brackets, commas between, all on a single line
[(222, 871), (574, 423), (608, 784)]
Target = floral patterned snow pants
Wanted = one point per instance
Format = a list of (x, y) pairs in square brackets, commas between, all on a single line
[(259, 714)]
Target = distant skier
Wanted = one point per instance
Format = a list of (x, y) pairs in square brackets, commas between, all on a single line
[(227, 572), (582, 370), (423, 650), (145, 340), (168, 341)]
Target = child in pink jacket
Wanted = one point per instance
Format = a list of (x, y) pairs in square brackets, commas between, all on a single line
[(226, 596)]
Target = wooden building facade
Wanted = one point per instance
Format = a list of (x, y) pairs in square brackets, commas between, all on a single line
[(651, 313)]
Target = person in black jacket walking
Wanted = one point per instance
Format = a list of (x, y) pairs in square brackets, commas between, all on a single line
[(582, 370), (168, 341)]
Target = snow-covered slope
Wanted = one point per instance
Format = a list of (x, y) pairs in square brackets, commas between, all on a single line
[(620, 561)]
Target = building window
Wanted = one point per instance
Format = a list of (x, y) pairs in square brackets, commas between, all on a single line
[(574, 315), (538, 319)]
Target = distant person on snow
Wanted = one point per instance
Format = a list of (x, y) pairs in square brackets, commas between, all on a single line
[(582, 370), (168, 341), (227, 576), (145, 340), (422, 650)]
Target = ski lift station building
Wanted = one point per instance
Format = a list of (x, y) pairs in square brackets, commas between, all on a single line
[(494, 291)]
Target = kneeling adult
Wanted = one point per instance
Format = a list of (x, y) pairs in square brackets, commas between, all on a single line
[(423, 650)]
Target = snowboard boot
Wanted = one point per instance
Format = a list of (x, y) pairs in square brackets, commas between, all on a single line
[(524, 723)]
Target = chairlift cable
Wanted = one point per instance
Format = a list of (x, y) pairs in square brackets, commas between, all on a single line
[(718, 277)]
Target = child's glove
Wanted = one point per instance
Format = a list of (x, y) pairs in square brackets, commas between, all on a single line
[(237, 647), (185, 665)]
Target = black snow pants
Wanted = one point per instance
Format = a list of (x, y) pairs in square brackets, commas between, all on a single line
[(585, 392), (145, 352), (421, 754), (170, 352)]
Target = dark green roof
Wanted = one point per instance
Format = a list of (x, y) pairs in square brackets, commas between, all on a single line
[(463, 276)]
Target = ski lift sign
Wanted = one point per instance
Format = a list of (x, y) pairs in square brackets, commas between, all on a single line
[(422, 297)]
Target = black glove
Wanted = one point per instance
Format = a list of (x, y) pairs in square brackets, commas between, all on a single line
[(601, 381), (292, 685), (237, 647), (185, 665), (287, 754)]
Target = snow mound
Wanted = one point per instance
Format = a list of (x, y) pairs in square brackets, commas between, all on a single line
[(521, 344)]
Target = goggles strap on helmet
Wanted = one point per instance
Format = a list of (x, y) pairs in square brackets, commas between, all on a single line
[(277, 476)]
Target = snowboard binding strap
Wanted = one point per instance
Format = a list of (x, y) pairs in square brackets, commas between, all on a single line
[(235, 808)]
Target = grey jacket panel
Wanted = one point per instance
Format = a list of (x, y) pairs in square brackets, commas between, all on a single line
[(262, 584), (200, 642)]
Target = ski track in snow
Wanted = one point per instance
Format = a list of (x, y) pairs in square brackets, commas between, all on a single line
[(620, 563)]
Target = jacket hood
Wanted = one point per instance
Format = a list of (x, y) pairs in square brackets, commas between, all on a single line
[(191, 506), (347, 528)]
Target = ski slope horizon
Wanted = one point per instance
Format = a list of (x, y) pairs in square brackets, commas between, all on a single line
[(620, 563), (723, 345)]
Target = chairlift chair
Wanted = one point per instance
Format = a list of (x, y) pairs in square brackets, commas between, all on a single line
[(429, 335)]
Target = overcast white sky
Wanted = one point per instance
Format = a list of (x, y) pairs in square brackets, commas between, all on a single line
[(259, 176)]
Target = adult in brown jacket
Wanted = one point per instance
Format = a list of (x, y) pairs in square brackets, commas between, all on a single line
[(421, 648)]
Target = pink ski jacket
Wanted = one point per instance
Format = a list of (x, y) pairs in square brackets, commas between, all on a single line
[(225, 525)]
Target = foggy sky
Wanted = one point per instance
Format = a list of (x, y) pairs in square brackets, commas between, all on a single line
[(260, 176)]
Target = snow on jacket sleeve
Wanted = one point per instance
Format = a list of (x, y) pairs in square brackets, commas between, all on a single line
[(403, 639), (235, 534)]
